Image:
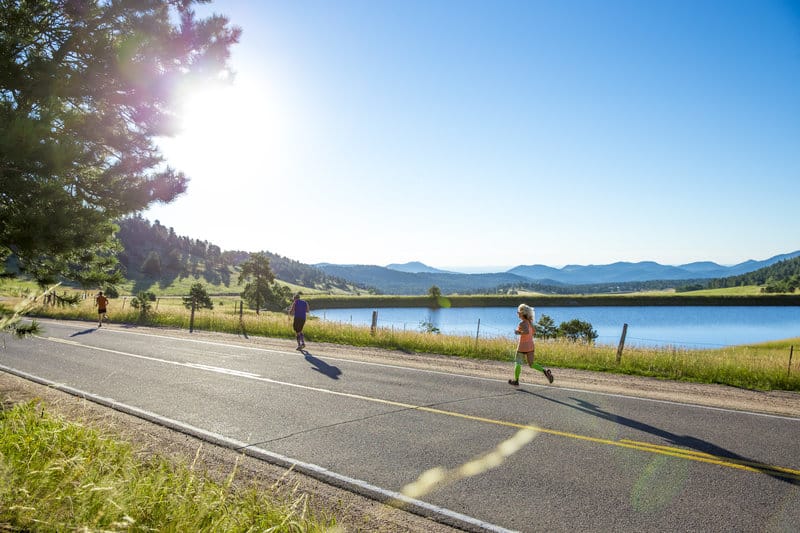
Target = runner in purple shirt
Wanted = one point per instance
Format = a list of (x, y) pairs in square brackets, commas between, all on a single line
[(299, 310)]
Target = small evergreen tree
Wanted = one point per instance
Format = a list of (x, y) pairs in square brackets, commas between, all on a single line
[(546, 328), (198, 298), (142, 302), (437, 300)]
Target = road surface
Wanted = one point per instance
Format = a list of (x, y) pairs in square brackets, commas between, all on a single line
[(472, 450)]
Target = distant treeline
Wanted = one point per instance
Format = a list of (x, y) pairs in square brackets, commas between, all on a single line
[(601, 288)]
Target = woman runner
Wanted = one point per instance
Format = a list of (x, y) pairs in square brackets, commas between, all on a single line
[(526, 347)]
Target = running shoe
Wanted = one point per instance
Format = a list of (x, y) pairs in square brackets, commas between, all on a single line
[(549, 375), (513, 382)]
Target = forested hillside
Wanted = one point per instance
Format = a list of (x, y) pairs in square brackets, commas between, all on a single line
[(783, 276), (152, 251)]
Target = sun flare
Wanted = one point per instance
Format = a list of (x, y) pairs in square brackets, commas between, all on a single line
[(222, 130)]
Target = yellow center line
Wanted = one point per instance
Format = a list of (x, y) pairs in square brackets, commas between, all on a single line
[(682, 453)]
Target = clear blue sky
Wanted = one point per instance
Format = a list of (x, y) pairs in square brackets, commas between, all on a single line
[(499, 133)]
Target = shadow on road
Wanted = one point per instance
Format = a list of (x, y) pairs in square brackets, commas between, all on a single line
[(684, 441), (322, 367), (84, 332)]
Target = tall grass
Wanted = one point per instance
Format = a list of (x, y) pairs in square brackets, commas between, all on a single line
[(61, 476), (762, 366)]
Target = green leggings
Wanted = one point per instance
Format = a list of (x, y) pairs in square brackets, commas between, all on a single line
[(520, 359)]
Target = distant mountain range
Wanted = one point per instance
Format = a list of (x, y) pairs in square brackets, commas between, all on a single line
[(415, 267), (417, 278)]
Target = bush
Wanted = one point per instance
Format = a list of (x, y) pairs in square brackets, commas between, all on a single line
[(111, 291), (573, 330)]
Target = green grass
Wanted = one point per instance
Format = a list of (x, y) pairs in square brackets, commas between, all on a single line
[(761, 366), (747, 290), (62, 476)]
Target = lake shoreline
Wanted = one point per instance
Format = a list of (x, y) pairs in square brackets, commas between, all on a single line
[(540, 300)]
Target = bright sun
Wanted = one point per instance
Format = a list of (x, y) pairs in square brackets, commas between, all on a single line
[(223, 130)]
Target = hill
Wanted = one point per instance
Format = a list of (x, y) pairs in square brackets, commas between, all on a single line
[(415, 267), (153, 253), (623, 272), (388, 281), (783, 276), (620, 277)]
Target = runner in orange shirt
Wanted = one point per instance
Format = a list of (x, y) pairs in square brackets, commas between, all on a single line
[(526, 347), (102, 304)]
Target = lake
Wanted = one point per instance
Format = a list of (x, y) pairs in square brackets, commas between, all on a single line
[(686, 327)]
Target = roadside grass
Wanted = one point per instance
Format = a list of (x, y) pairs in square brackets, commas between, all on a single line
[(761, 366), (63, 476)]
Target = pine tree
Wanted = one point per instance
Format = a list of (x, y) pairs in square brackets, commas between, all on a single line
[(85, 88), (198, 299)]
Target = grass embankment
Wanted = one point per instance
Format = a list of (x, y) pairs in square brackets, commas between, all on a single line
[(762, 366), (61, 476)]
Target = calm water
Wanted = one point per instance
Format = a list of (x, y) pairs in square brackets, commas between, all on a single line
[(690, 327)]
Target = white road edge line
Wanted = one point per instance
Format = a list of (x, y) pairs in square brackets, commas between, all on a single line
[(396, 499)]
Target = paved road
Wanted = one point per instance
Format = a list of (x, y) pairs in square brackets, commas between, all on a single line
[(540, 458)]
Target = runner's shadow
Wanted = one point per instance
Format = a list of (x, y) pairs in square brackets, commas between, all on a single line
[(322, 367), (684, 441), (84, 332)]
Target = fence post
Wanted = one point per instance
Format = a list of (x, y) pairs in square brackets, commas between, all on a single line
[(791, 352), (374, 325), (477, 333), (241, 319), (124, 298), (158, 301), (622, 342)]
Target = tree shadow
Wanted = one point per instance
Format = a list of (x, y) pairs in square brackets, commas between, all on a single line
[(142, 285), (322, 367), (167, 279), (683, 441)]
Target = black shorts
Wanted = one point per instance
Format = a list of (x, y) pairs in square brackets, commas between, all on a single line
[(299, 322), (101, 311)]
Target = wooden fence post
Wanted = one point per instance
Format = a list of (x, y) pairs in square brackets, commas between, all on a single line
[(622, 342), (241, 319), (477, 333), (791, 352), (374, 325)]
